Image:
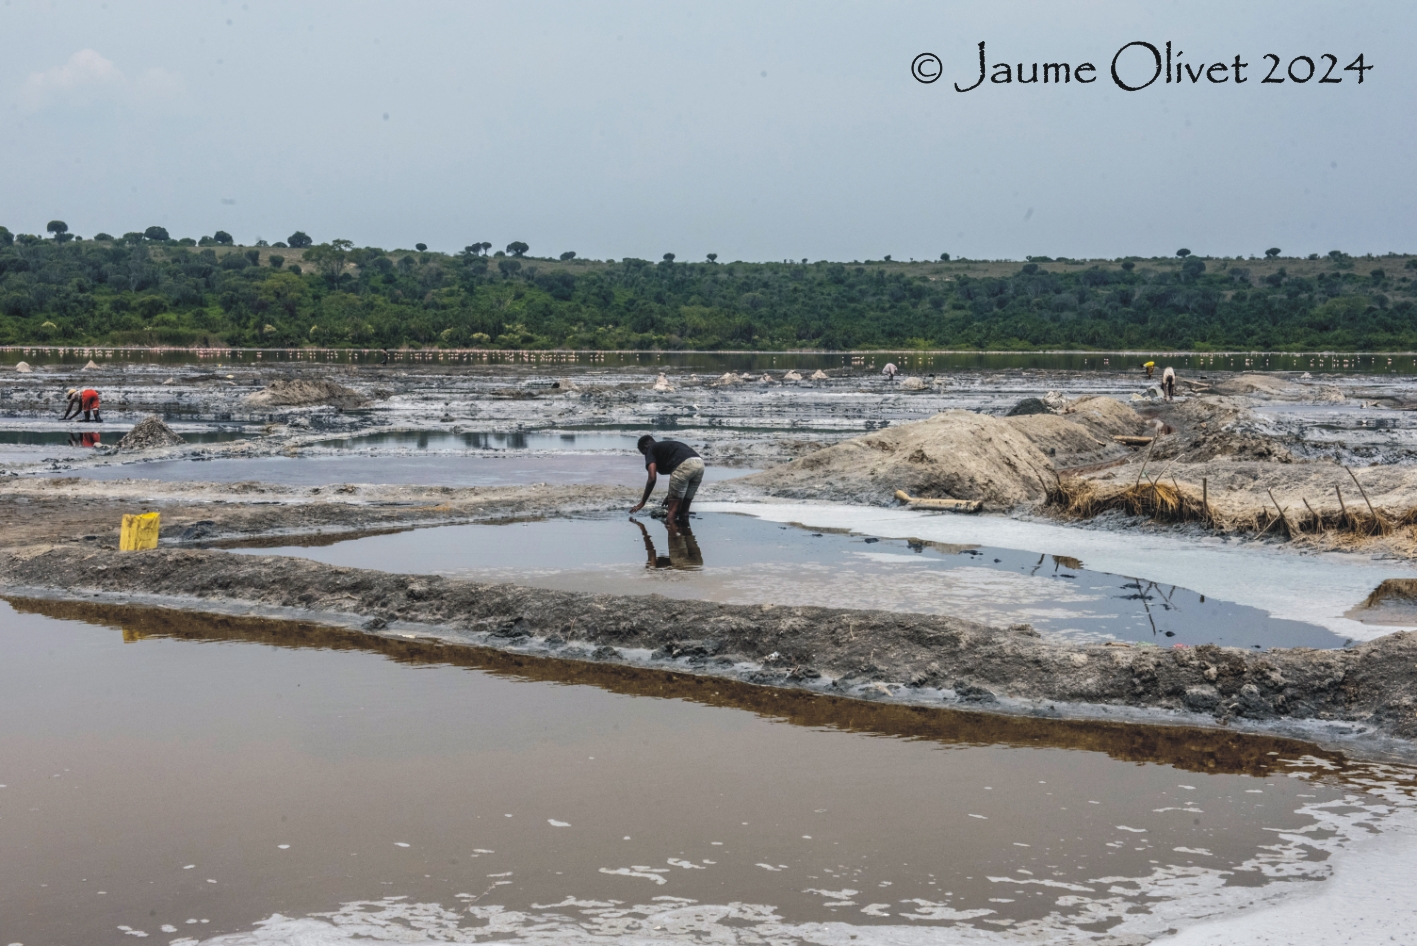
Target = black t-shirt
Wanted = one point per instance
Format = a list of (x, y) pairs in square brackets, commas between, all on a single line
[(666, 455)]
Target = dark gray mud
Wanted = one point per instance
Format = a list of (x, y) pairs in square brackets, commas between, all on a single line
[(932, 660)]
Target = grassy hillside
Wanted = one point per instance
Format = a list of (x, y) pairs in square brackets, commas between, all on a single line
[(141, 292)]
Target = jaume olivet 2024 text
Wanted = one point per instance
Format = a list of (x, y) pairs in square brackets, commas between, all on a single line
[(1141, 65)]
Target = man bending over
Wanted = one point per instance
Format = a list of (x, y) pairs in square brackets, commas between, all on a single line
[(685, 470), (83, 402)]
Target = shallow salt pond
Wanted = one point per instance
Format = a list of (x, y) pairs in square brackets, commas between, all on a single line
[(230, 780), (432, 469), (744, 560)]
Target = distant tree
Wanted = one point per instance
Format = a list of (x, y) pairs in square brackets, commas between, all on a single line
[(206, 241), (254, 256), (295, 268), (944, 257), (669, 257), (1313, 256), (222, 238), (509, 267), (58, 228), (186, 241), (497, 254), (1378, 275), (1029, 269), (1336, 254), (330, 258), (261, 243), (299, 240), (8, 239), (1183, 253), (101, 236), (277, 261), (281, 243), (569, 254), (713, 257), (1271, 253), (132, 238), (517, 248), (421, 247), (1192, 268), (887, 257), (1128, 265), (156, 234)]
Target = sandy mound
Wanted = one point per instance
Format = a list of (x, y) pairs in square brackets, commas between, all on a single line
[(729, 378), (914, 384), (1262, 384), (302, 393), (149, 433), (819, 375), (792, 376), (955, 454), (1104, 417), (23, 367)]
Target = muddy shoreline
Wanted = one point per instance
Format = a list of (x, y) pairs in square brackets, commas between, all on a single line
[(1357, 698)]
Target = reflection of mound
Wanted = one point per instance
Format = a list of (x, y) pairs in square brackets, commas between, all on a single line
[(301, 392), (1394, 602)]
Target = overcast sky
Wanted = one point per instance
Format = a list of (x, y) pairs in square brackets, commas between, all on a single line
[(754, 130)]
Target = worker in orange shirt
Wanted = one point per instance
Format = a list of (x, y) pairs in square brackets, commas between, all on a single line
[(85, 401)]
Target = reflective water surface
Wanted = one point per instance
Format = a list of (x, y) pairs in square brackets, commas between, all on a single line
[(188, 777), (746, 560)]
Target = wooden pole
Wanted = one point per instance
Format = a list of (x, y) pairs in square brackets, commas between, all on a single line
[(1287, 527), (1318, 523), (1382, 526), (1205, 499), (1341, 504)]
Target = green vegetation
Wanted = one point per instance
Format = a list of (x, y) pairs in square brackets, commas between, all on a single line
[(149, 289)]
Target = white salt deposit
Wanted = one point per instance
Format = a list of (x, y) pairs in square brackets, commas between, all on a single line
[(1317, 589)]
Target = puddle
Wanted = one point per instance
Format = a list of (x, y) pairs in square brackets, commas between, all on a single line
[(745, 560), (432, 469), (92, 435), (171, 774)]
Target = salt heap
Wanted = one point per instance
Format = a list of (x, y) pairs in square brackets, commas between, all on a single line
[(661, 383), (90, 366), (149, 433), (23, 367), (819, 375), (792, 376)]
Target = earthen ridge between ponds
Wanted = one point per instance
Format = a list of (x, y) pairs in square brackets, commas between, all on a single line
[(1359, 701)]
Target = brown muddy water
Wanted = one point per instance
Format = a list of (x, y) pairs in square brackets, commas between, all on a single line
[(740, 559), (193, 778)]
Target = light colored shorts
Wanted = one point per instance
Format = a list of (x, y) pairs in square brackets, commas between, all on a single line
[(684, 481)]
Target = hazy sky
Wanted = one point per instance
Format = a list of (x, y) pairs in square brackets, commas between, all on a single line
[(754, 130)]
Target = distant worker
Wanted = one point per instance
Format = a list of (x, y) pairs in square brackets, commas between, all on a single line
[(890, 371), (685, 470), (85, 401), (1168, 382), (1150, 367)]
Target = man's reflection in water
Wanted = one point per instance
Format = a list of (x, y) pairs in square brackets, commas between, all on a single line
[(86, 439), (683, 554)]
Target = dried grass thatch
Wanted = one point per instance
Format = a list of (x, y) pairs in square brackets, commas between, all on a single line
[(1171, 502)]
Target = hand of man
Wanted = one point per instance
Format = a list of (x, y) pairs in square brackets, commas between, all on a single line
[(637, 507)]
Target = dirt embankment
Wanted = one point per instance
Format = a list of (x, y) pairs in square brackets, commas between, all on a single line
[(1219, 465), (871, 654), (69, 509)]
